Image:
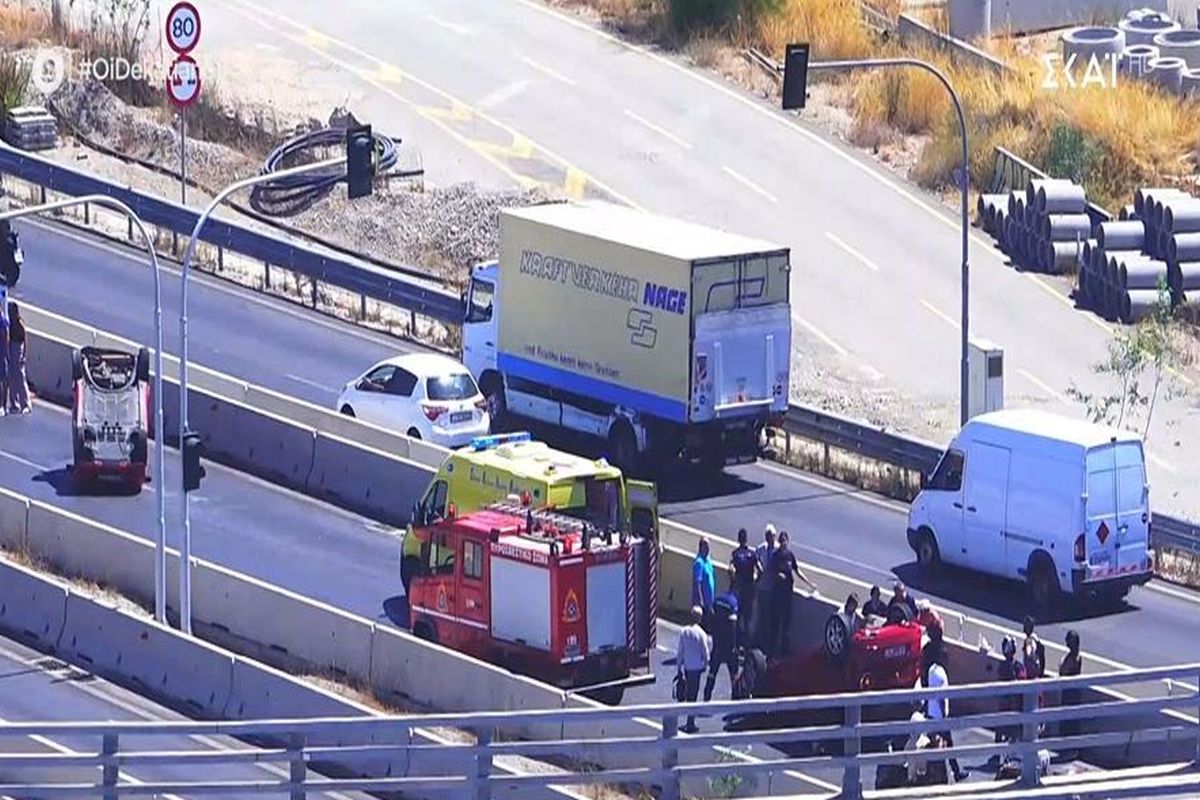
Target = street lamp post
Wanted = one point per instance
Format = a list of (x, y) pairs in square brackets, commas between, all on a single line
[(185, 546), (964, 185), (160, 555)]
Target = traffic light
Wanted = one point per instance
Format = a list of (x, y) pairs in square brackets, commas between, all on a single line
[(795, 76), (11, 256), (360, 161), (192, 470)]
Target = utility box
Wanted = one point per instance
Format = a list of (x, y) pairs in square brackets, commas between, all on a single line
[(985, 368)]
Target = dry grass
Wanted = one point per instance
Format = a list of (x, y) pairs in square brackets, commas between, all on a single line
[(21, 26), (1178, 566), (834, 27)]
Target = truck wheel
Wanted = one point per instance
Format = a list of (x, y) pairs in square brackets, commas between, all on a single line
[(928, 556), (143, 365), (622, 447), (424, 630), (1044, 589)]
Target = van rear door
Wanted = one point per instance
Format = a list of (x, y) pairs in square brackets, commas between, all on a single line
[(1118, 510)]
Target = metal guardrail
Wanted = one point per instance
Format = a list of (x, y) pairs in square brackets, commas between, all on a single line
[(855, 741), (361, 278)]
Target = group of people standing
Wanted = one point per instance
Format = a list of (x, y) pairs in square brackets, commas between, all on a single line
[(14, 387)]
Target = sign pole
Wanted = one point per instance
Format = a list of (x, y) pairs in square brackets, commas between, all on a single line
[(183, 155)]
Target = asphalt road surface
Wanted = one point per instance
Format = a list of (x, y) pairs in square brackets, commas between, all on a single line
[(38, 688), (510, 92)]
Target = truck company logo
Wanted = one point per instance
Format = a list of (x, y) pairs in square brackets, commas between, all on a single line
[(640, 323), (571, 607), (441, 597), (673, 300), (520, 554)]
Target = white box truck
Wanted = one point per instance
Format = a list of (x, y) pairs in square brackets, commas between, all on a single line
[(1059, 503), (660, 337)]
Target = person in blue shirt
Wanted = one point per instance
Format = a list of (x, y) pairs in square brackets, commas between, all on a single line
[(704, 583)]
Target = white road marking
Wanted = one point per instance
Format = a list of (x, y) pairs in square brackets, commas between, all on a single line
[(453, 27), (1178, 594), (937, 312), (866, 262), (548, 71), (1045, 387), (25, 461), (503, 94), (749, 184), (306, 382), (817, 332), (663, 132)]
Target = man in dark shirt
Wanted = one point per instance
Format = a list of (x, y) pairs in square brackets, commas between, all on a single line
[(744, 571), (724, 631), (875, 606), (784, 570), (901, 597), (1071, 667)]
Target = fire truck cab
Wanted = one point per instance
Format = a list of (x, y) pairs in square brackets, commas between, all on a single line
[(540, 593)]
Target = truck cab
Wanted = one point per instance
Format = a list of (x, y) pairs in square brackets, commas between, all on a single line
[(540, 593)]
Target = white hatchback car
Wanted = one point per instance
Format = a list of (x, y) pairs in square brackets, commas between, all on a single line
[(423, 395)]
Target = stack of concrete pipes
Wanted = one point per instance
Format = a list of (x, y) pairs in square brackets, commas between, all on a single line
[(1041, 228), (1157, 48), (1155, 244)]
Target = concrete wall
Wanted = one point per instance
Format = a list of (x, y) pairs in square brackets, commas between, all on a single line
[(914, 33), (1025, 16)]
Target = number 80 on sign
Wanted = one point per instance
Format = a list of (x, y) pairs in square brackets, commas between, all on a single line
[(183, 27)]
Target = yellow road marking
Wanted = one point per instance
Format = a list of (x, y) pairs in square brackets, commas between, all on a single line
[(575, 183)]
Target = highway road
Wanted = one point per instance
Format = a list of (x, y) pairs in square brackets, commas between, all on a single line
[(524, 91), (41, 688), (349, 561)]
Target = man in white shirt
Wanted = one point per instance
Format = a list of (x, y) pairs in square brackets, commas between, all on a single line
[(691, 659), (938, 707)]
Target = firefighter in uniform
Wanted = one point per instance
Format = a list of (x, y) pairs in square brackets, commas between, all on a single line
[(724, 629)]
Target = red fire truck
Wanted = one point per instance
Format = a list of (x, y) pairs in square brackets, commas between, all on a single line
[(540, 593)]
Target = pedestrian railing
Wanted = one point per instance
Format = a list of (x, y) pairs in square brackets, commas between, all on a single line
[(379, 754)]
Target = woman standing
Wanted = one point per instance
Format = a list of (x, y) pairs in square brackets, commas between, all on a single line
[(18, 387)]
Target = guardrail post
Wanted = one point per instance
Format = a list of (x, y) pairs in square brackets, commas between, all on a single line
[(670, 758), (1029, 736), (220, 259), (483, 764), (298, 771), (109, 771), (42, 188), (362, 308), (266, 275), (314, 293), (87, 213), (852, 746), (129, 230)]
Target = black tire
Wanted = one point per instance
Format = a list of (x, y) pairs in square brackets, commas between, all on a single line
[(143, 365), (425, 630), (755, 667), (1044, 590), (76, 365), (836, 641), (347, 410), (929, 557), (497, 404), (622, 447), (413, 433), (410, 566)]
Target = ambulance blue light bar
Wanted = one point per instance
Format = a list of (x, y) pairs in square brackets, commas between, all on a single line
[(489, 442)]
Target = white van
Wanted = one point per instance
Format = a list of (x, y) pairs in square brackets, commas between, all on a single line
[(1057, 502)]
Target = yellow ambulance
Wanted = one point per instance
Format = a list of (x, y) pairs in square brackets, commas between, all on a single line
[(494, 468)]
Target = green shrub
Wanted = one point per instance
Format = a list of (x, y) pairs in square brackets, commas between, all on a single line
[(14, 77)]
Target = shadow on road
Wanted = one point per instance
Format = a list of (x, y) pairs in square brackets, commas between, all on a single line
[(65, 484), (1003, 598), (396, 610)]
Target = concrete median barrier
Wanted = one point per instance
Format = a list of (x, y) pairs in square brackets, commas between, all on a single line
[(48, 367), (306, 630), (369, 481), (245, 438), (14, 520), (77, 546), (32, 608)]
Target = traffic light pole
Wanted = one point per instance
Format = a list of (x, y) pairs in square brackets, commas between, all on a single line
[(160, 546), (185, 546), (964, 185)]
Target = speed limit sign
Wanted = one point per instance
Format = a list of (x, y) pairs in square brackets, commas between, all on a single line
[(183, 27)]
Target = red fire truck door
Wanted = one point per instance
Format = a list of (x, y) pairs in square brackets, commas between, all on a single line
[(473, 591)]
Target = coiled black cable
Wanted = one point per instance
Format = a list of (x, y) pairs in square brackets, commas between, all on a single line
[(286, 197)]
